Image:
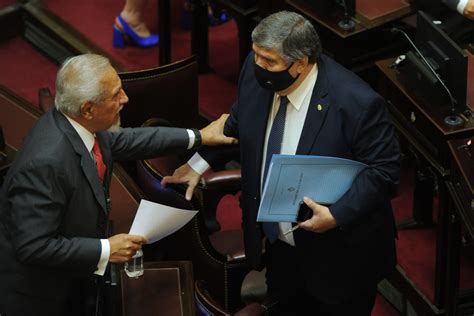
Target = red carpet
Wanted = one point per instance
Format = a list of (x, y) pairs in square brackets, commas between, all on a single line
[(6, 3), (24, 70), (216, 89)]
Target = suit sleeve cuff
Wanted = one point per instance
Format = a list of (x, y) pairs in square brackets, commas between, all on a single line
[(104, 257), (461, 6), (192, 138), (198, 164)]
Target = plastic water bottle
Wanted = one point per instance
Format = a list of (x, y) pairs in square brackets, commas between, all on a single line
[(134, 266)]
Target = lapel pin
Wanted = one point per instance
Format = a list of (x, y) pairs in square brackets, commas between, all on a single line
[(319, 107)]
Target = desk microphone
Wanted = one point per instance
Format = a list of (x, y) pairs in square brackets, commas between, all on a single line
[(452, 119), (346, 23)]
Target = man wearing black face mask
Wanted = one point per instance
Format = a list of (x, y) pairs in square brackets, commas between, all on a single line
[(294, 100)]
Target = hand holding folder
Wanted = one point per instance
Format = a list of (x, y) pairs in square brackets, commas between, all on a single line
[(322, 221), (292, 177)]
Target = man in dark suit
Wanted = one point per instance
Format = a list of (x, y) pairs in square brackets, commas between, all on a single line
[(465, 7), (54, 202), (332, 264)]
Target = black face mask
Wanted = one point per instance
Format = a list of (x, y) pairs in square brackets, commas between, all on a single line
[(274, 80)]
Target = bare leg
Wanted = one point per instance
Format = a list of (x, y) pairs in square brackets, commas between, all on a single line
[(132, 13)]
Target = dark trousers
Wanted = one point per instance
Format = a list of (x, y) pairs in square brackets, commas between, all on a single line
[(82, 301), (287, 284)]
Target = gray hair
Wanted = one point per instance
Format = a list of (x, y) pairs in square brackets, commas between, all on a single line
[(289, 34), (79, 81)]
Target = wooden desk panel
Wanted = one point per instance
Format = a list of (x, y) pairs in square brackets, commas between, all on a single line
[(372, 14), (463, 182), (470, 80), (423, 127), (166, 289), (356, 49), (425, 124)]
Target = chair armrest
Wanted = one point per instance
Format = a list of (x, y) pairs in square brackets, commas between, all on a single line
[(214, 185), (257, 309), (253, 309), (227, 181), (229, 243)]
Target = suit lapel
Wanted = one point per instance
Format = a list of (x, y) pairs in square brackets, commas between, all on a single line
[(317, 111), (87, 164), (260, 118)]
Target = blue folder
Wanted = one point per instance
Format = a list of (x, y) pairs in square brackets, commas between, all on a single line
[(292, 177)]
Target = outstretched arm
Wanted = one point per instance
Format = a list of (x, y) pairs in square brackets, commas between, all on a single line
[(213, 134), (465, 7)]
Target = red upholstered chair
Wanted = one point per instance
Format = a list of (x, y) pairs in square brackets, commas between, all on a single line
[(168, 92), (218, 258)]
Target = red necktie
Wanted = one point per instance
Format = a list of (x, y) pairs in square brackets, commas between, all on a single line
[(98, 160)]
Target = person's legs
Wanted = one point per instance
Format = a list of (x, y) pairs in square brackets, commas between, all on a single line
[(129, 24), (132, 13), (360, 305), (284, 280), (287, 284)]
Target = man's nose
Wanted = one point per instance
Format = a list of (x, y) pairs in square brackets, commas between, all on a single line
[(124, 98)]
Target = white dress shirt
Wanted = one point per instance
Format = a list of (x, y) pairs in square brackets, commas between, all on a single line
[(88, 140), (295, 117), (461, 5)]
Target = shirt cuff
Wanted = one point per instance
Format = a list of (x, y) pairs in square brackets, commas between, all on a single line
[(462, 5), (192, 138), (198, 164), (104, 257)]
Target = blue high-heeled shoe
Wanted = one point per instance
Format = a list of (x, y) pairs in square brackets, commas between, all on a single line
[(144, 42)]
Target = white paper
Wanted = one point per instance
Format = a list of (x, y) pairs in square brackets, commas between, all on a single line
[(155, 221)]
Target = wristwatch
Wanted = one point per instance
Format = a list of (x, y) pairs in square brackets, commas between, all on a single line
[(197, 137)]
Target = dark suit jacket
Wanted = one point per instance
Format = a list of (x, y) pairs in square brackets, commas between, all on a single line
[(453, 4), (353, 124), (53, 209)]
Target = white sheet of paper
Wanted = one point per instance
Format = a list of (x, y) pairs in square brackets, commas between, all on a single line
[(155, 221)]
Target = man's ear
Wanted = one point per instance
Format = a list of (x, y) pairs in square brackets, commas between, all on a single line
[(302, 64), (87, 110)]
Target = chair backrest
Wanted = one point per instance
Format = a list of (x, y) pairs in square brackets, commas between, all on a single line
[(167, 92), (222, 274)]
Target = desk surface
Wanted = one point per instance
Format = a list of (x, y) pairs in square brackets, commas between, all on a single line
[(368, 15), (328, 20), (372, 13), (166, 288), (432, 114)]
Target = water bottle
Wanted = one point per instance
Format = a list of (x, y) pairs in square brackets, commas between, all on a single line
[(134, 266)]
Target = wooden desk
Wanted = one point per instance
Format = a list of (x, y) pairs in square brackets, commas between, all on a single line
[(423, 128), (463, 181), (166, 288), (461, 190), (356, 49)]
